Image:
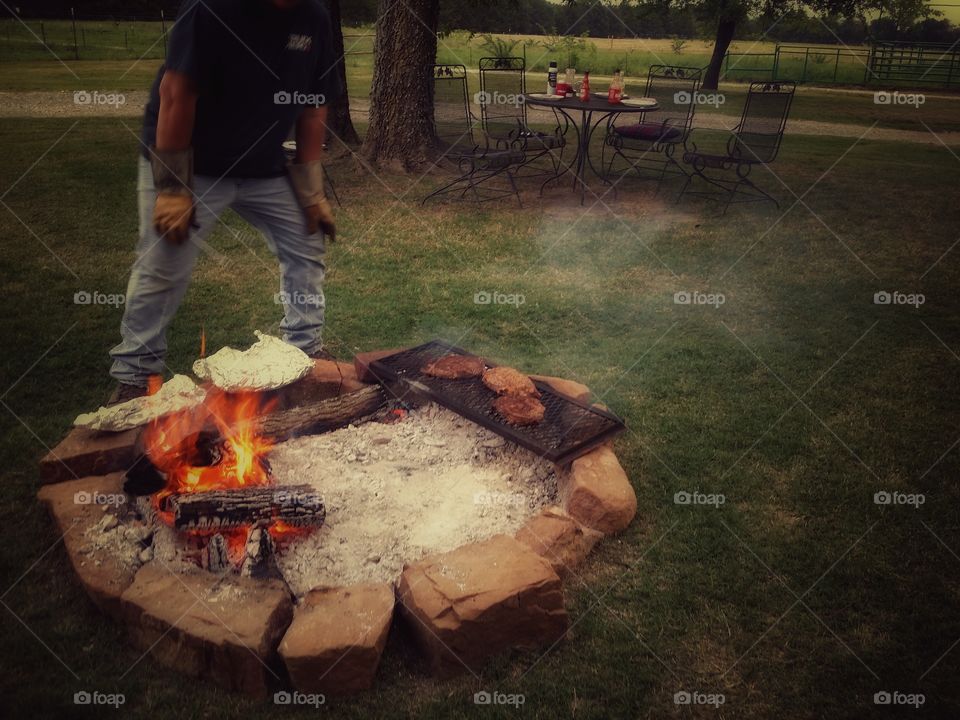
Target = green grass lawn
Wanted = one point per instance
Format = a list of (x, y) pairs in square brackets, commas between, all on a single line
[(797, 399)]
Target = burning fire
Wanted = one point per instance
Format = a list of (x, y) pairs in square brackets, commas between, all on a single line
[(216, 447)]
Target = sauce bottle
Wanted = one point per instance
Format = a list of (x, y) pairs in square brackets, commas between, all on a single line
[(585, 88)]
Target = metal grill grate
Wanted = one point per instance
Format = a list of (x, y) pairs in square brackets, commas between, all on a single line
[(569, 427)]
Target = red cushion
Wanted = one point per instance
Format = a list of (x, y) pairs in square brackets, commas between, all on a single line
[(649, 131)]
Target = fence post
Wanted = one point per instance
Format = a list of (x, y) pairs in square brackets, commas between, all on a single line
[(76, 48), (776, 62), (806, 58), (163, 33)]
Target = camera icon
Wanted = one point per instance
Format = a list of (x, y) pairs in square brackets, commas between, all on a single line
[(82, 297), (82, 497), (82, 698), (482, 698), (682, 98), (282, 298), (682, 698), (282, 697), (82, 97), (683, 297), (483, 98), (882, 698), (682, 498), (282, 98), (482, 298), (882, 298), (882, 97), (882, 498)]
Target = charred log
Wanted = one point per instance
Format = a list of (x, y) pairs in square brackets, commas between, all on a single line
[(323, 415), (297, 505)]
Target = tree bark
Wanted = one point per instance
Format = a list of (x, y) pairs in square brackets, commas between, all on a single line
[(725, 30), (401, 132), (339, 123)]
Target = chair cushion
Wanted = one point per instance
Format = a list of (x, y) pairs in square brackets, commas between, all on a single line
[(652, 132)]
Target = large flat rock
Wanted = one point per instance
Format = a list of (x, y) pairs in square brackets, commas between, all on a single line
[(76, 507), (597, 492), (225, 629), (85, 452), (361, 362), (559, 538), (327, 379), (479, 600), (334, 644), (572, 388)]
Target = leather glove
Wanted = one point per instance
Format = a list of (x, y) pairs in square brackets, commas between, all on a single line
[(307, 181), (173, 181)]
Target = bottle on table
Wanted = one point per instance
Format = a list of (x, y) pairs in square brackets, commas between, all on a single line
[(585, 87), (552, 79), (615, 92)]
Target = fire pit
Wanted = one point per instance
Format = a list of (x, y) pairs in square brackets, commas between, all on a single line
[(260, 540)]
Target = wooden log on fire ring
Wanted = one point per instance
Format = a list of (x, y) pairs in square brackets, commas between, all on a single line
[(208, 510), (323, 415)]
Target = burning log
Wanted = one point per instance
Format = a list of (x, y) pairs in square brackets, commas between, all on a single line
[(296, 505)]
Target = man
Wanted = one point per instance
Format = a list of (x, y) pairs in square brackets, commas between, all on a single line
[(239, 75)]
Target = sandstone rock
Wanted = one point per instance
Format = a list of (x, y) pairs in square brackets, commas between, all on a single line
[(327, 379), (72, 506), (479, 600), (83, 453), (225, 629), (337, 637), (361, 362), (597, 493), (559, 538), (567, 387)]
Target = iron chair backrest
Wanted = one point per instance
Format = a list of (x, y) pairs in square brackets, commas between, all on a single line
[(503, 114), (758, 137), (675, 89), (451, 110)]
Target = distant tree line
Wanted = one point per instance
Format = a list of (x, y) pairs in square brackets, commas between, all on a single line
[(892, 20)]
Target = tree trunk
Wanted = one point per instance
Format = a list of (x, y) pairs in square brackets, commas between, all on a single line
[(339, 123), (725, 29), (401, 132)]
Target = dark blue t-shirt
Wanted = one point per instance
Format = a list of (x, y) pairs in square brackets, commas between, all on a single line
[(256, 67)]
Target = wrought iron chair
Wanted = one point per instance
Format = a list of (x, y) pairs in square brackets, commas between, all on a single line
[(648, 147), (503, 115), (476, 163), (755, 141)]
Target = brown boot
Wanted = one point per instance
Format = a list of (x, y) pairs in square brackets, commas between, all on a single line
[(124, 392)]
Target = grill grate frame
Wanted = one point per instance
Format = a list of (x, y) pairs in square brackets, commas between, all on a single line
[(569, 429)]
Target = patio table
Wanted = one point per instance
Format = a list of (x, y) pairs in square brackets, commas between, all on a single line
[(569, 107)]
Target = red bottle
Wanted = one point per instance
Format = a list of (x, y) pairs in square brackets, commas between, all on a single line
[(585, 88)]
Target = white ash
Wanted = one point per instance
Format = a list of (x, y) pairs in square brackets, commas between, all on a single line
[(394, 493), (121, 535)]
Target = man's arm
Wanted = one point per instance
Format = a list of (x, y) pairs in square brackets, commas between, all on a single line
[(311, 134), (178, 108)]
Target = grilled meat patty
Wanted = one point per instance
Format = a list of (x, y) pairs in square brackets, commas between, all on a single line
[(519, 409), (455, 367)]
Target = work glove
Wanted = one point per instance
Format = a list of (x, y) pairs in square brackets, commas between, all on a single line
[(307, 181), (173, 181)]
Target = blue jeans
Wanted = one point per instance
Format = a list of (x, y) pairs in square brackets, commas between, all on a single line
[(162, 270)]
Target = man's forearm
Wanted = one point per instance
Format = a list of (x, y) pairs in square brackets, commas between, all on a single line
[(311, 134)]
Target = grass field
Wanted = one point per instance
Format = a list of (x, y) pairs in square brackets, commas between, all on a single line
[(797, 399)]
